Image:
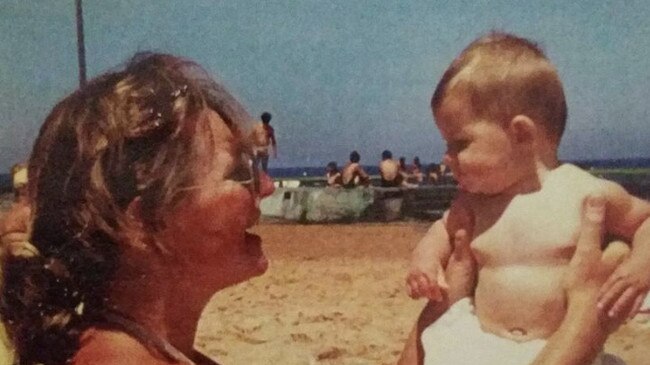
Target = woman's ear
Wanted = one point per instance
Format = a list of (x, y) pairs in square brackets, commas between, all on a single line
[(523, 129)]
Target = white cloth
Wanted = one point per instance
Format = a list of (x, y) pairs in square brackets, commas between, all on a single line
[(456, 338)]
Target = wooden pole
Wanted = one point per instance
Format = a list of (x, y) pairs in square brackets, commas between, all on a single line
[(81, 49)]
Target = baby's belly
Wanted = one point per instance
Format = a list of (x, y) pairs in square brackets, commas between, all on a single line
[(520, 302)]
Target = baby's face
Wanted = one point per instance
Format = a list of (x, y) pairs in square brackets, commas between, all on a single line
[(480, 153)]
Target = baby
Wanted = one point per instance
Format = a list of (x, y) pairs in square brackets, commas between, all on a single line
[(501, 109)]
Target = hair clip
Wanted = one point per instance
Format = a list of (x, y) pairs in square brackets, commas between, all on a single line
[(154, 119), (180, 92)]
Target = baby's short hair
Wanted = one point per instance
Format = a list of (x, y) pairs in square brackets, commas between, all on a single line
[(501, 76)]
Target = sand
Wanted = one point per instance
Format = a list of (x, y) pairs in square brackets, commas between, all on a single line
[(334, 294)]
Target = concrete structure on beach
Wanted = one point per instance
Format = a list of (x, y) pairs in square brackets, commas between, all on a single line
[(317, 205), (307, 200)]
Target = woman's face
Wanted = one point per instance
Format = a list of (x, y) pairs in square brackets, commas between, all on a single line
[(207, 231)]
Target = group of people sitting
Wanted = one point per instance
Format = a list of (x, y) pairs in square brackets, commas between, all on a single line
[(392, 173)]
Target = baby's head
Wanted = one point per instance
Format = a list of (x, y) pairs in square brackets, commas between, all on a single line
[(501, 108)]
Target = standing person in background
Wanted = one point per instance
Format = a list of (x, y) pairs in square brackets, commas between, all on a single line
[(263, 137), (389, 171), (353, 174)]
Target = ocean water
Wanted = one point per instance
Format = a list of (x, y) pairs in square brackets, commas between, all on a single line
[(374, 169), (311, 171)]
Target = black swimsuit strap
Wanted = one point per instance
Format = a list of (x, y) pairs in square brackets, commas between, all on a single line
[(151, 340)]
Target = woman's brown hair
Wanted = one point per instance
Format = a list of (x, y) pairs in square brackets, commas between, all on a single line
[(129, 133)]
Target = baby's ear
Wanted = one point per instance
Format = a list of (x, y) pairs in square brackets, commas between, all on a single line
[(522, 129)]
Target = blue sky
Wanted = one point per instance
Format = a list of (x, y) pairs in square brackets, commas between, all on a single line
[(336, 75)]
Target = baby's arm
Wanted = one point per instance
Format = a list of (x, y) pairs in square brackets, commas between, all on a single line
[(629, 217), (426, 277)]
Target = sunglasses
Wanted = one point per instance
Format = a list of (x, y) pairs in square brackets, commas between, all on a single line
[(246, 173)]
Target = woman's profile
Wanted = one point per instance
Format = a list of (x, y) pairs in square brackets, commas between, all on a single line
[(143, 191)]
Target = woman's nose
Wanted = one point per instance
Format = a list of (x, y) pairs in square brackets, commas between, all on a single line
[(266, 185)]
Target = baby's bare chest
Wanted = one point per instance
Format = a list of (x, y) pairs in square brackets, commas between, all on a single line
[(538, 228)]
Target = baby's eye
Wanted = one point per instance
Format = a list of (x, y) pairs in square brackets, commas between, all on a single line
[(457, 146)]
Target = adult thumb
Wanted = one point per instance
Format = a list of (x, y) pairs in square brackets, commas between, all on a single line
[(614, 255), (591, 231), (462, 250)]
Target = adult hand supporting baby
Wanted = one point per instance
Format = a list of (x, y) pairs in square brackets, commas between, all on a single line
[(585, 328), (460, 275)]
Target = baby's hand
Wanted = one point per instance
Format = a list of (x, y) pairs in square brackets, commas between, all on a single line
[(624, 291), (427, 280)]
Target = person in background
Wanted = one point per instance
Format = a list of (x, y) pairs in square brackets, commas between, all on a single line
[(14, 225), (333, 175), (263, 137), (143, 192), (403, 169), (389, 171), (416, 175), (353, 174), (14, 230), (433, 174)]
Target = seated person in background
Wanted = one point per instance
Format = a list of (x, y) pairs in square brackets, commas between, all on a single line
[(333, 175), (389, 171), (403, 169), (519, 206), (416, 176), (433, 173), (353, 174)]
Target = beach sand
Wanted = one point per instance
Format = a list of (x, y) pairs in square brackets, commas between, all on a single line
[(334, 294)]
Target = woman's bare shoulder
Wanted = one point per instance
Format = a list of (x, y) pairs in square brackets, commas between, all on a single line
[(107, 347)]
